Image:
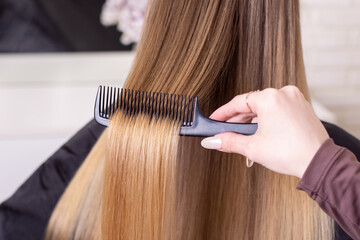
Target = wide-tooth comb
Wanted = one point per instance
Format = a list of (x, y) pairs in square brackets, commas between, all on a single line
[(184, 109)]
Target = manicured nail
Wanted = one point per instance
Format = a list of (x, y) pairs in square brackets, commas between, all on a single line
[(211, 143)]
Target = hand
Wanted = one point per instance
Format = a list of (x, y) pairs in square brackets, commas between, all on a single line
[(288, 136)]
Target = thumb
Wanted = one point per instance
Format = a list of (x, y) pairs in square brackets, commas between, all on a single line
[(228, 142)]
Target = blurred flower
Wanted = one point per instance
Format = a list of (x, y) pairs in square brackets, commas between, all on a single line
[(128, 15)]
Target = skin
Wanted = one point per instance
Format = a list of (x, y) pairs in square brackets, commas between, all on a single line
[(289, 133)]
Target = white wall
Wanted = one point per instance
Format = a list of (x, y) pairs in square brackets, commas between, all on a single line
[(331, 41), (44, 100)]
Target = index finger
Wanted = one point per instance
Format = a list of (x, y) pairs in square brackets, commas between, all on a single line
[(236, 106)]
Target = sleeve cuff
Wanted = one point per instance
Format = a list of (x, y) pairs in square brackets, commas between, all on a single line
[(319, 167)]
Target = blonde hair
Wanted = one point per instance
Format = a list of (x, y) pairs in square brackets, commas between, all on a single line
[(153, 184)]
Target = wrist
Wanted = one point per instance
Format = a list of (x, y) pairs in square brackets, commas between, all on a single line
[(306, 161)]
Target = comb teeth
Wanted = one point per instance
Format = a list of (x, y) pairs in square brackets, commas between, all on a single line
[(154, 104)]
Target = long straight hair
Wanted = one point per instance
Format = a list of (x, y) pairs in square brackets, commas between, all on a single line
[(143, 181)]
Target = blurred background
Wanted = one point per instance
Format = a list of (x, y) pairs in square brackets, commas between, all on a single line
[(56, 53)]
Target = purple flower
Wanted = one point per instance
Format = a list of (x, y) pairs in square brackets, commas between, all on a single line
[(128, 15)]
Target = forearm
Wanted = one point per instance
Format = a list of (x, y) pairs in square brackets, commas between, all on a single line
[(332, 179)]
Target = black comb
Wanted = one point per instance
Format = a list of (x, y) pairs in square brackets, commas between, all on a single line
[(163, 105)]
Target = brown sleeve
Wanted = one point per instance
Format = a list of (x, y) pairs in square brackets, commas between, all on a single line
[(332, 179)]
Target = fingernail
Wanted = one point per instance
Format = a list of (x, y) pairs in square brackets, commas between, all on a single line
[(211, 143)]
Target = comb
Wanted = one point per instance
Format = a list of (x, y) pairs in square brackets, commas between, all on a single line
[(184, 109)]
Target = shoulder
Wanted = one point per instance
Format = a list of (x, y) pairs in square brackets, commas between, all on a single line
[(85, 138), (71, 155), (26, 213), (343, 138)]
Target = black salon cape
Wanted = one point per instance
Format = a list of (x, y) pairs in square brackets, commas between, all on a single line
[(26, 213)]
